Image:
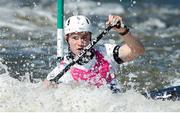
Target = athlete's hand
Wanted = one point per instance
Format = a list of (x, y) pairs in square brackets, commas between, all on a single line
[(114, 20), (49, 84)]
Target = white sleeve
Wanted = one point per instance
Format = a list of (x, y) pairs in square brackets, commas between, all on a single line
[(109, 49)]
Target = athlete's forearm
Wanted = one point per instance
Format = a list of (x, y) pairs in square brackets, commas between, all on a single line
[(133, 43), (131, 49)]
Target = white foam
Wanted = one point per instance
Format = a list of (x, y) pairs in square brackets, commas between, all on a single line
[(93, 8), (150, 23), (26, 19), (169, 11), (23, 96), (175, 81)]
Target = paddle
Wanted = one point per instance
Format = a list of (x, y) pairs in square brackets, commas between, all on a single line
[(170, 93), (87, 48)]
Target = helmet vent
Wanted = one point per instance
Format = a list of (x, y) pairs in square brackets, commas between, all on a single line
[(87, 20), (68, 22)]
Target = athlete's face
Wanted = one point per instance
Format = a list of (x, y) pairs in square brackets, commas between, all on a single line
[(77, 41)]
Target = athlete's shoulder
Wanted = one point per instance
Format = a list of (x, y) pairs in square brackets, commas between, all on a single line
[(106, 48), (100, 48)]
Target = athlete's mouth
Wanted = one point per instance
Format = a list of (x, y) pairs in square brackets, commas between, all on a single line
[(80, 49)]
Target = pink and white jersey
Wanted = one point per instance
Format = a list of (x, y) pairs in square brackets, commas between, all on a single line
[(98, 71)]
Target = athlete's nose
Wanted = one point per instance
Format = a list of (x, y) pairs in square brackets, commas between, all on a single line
[(81, 42)]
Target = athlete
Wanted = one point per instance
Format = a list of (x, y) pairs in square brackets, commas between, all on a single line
[(100, 65)]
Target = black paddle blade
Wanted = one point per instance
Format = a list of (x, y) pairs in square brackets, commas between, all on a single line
[(171, 93)]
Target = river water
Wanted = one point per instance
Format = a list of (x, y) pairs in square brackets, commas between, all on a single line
[(28, 50)]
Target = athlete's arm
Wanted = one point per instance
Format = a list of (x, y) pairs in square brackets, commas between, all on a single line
[(132, 47), (49, 84)]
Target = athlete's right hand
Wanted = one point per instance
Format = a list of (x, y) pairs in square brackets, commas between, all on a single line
[(114, 19), (49, 84)]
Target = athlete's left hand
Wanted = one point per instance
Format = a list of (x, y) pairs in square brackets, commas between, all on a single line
[(49, 84)]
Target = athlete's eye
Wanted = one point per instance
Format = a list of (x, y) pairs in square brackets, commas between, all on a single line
[(84, 37)]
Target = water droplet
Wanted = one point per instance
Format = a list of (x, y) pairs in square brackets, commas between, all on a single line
[(134, 2), (98, 3)]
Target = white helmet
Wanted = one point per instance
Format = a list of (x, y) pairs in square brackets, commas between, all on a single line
[(77, 23)]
